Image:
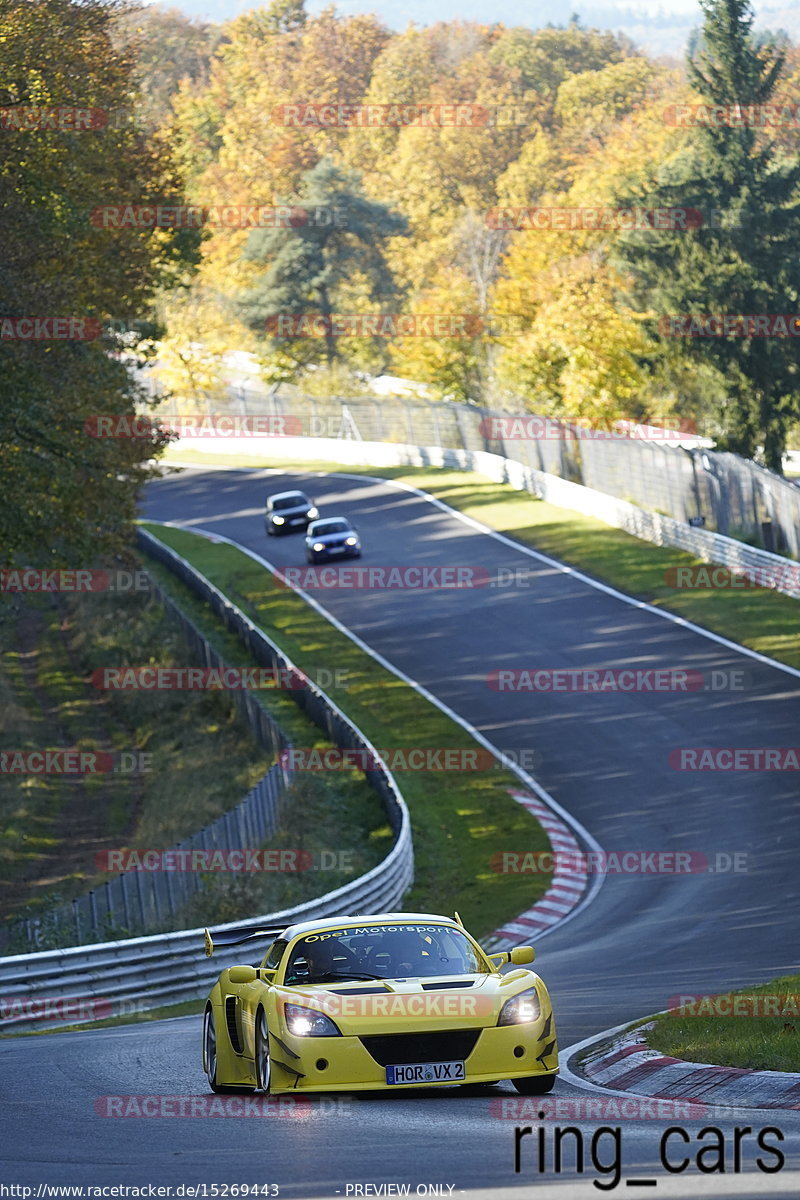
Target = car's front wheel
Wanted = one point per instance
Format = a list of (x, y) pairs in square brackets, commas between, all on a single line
[(535, 1085), (262, 1052)]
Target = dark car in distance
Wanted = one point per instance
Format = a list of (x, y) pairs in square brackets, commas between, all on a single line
[(332, 537), (286, 512)]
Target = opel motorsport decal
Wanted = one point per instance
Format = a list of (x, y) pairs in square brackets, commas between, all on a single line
[(362, 929)]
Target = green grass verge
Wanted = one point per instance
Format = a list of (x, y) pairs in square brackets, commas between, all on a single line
[(459, 819), (751, 1040), (201, 757), (764, 620)]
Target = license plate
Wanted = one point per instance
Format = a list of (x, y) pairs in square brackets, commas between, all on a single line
[(336, 549), (446, 1072), (297, 521)]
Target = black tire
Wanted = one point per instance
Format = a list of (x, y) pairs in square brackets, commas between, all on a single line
[(262, 1063), (210, 1049), (535, 1085), (210, 1057)]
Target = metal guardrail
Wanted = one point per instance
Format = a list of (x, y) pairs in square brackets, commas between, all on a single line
[(168, 968), (137, 974), (763, 567)]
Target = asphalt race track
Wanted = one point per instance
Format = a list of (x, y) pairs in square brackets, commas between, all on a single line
[(604, 758)]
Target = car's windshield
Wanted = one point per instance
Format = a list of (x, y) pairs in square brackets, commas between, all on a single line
[(337, 525), (294, 501), (394, 951)]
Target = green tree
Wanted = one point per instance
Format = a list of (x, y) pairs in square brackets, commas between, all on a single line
[(69, 496), (335, 259), (168, 48), (747, 259)]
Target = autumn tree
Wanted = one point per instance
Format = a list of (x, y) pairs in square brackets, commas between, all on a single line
[(746, 260), (334, 261), (69, 496)]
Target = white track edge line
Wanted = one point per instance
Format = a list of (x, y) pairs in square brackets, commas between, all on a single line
[(597, 880), (606, 588)]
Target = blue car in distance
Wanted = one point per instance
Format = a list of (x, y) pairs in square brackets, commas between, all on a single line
[(332, 537)]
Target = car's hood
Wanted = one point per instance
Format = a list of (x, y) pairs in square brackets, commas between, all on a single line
[(400, 1005), (327, 538)]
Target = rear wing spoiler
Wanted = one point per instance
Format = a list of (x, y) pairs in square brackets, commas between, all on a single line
[(233, 937)]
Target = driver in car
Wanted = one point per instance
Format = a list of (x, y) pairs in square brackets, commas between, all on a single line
[(325, 959), (410, 955)]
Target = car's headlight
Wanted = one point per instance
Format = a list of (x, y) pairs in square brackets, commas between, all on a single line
[(277, 520), (312, 513), (307, 1022), (521, 1008), (351, 541), (318, 546)]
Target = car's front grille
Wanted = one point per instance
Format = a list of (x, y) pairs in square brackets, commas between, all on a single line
[(450, 1046)]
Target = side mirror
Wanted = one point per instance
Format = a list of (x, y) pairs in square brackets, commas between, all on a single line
[(518, 956), (243, 975)]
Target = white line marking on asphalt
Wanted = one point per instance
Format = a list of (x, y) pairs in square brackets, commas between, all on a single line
[(596, 881)]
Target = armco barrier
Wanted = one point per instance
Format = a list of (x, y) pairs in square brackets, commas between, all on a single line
[(650, 526), (169, 968), (144, 973)]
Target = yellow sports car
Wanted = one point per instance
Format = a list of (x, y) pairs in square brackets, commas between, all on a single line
[(377, 1003)]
